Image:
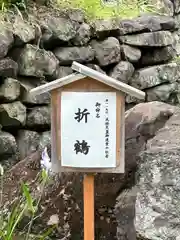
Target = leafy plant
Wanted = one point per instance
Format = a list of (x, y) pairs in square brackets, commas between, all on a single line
[(10, 220), (176, 59), (18, 4)]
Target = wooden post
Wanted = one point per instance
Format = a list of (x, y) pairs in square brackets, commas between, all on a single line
[(89, 207)]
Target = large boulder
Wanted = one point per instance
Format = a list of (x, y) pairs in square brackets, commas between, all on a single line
[(39, 118), (31, 99), (129, 26), (158, 182), (152, 76), (67, 55), (165, 7), (45, 140), (9, 154), (8, 146), (177, 6), (27, 142), (23, 32), (9, 90), (8, 68), (105, 28), (123, 71), (178, 93), (63, 196), (131, 54), (158, 22), (36, 62), (147, 23), (95, 67), (107, 51), (57, 29), (83, 35), (74, 14), (157, 55), (149, 39), (162, 92), (62, 71), (150, 117), (6, 41), (12, 114)]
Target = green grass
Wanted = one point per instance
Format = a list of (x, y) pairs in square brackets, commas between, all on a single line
[(25, 205), (95, 9), (10, 3)]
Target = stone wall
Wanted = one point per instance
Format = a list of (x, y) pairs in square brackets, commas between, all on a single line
[(138, 52)]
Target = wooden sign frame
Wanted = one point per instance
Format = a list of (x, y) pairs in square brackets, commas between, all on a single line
[(86, 85), (87, 80)]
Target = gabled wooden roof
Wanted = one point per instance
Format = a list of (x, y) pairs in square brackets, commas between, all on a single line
[(82, 72)]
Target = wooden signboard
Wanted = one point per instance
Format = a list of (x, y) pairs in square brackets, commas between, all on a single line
[(87, 128)]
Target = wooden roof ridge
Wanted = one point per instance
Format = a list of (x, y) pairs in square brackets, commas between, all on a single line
[(82, 72)]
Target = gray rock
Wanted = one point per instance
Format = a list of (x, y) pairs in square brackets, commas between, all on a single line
[(151, 39), (158, 22), (133, 100), (155, 75), (23, 32), (47, 38), (83, 35), (8, 146), (12, 114), (8, 68), (130, 54), (9, 90), (60, 29), (162, 92), (158, 55), (177, 20), (39, 118), (146, 23), (28, 142), (6, 41), (164, 137), (95, 67), (166, 7), (178, 93), (125, 214), (76, 15), (154, 116), (129, 26), (45, 140), (36, 62), (142, 122), (176, 43), (106, 28), (27, 98), (107, 51), (123, 71), (62, 71), (66, 55), (158, 181), (177, 6)]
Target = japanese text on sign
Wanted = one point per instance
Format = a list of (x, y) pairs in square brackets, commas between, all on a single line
[(88, 129)]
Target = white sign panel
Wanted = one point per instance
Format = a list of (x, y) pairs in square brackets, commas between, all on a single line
[(88, 129)]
